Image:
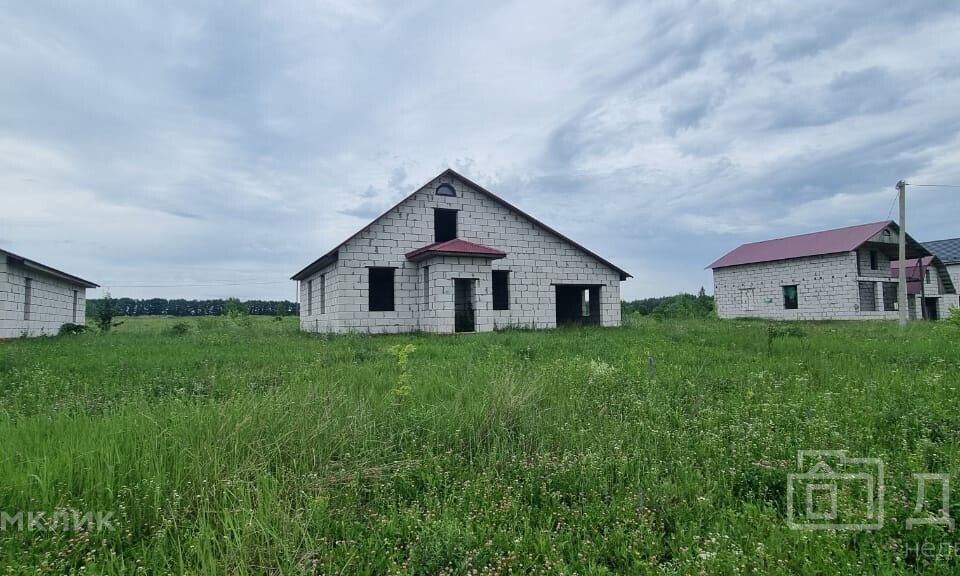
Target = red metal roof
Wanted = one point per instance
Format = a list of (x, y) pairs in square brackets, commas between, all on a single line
[(814, 244), (913, 271), (455, 247), (916, 274)]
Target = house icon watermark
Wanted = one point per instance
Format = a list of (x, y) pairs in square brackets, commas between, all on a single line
[(833, 491)]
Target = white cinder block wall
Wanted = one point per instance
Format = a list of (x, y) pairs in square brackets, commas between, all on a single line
[(536, 259), (951, 299), (827, 288), (51, 302), (319, 301)]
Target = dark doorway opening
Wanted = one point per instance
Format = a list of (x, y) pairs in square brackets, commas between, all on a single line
[(931, 311), (464, 318), (578, 304), (444, 224)]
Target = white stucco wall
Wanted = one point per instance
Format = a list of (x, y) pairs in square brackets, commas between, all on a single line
[(51, 302), (537, 260), (827, 288)]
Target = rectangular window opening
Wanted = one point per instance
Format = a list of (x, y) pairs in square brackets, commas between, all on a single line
[(444, 224), (873, 259), (309, 297), (868, 296), (791, 300), (27, 289), (381, 290), (501, 289), (75, 299), (890, 297), (323, 293), (426, 287)]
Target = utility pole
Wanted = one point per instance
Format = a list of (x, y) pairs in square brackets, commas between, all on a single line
[(902, 291)]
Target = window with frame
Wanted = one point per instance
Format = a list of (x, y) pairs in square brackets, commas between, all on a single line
[(27, 296), (501, 289), (926, 274), (75, 299), (445, 190), (381, 289), (873, 259), (444, 224), (791, 299)]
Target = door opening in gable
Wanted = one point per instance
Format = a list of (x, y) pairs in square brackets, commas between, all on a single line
[(444, 224)]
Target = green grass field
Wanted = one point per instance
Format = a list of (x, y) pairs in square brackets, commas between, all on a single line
[(249, 448)]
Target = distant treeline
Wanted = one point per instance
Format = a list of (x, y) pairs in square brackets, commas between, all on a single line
[(679, 306), (164, 307)]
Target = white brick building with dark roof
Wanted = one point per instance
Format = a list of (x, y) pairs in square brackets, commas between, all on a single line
[(36, 300)]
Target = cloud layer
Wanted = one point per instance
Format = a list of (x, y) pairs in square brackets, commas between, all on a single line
[(210, 150)]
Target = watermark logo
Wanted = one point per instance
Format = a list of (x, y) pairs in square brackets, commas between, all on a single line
[(833, 491), (56, 521), (940, 517)]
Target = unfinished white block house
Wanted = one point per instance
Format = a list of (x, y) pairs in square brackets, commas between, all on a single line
[(841, 274), (948, 253), (927, 287), (454, 257), (36, 300)]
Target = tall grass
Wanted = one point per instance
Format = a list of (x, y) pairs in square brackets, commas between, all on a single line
[(250, 448)]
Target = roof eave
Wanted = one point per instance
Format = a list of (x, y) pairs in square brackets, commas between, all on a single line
[(318, 264), (431, 253), (34, 265)]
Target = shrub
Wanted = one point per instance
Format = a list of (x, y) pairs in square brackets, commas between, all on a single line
[(179, 329), (954, 316), (234, 309), (106, 311), (70, 328)]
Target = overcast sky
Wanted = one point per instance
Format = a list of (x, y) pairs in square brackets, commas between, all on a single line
[(213, 149)]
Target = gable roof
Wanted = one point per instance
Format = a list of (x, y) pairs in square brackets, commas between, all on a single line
[(455, 247), (331, 256), (814, 244), (28, 263), (948, 251)]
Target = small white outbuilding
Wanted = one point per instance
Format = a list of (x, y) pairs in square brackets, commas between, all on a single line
[(36, 300)]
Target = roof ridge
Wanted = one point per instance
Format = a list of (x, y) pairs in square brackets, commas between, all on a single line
[(329, 255), (884, 222)]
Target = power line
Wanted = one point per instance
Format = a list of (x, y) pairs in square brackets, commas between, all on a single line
[(935, 185), (110, 285), (892, 204)]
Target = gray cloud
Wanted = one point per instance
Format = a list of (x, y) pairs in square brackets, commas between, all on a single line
[(233, 144)]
